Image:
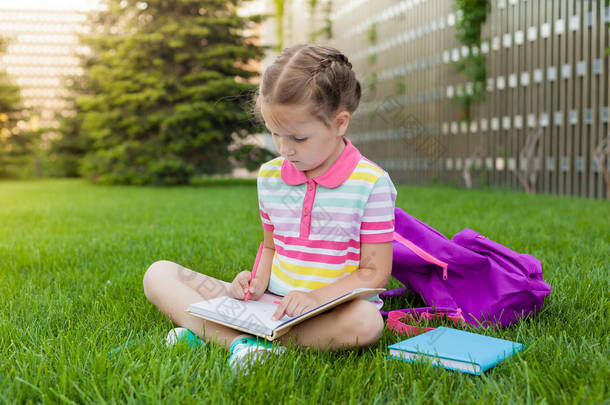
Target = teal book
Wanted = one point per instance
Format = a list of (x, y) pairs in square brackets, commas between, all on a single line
[(455, 349)]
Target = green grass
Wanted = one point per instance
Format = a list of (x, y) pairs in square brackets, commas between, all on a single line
[(73, 256)]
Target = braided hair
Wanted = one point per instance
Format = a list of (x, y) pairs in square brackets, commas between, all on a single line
[(320, 76)]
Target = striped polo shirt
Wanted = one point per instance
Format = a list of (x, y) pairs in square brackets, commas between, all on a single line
[(318, 224)]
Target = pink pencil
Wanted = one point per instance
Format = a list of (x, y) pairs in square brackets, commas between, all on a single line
[(258, 259)]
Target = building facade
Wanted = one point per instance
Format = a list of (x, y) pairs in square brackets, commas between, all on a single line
[(41, 57)]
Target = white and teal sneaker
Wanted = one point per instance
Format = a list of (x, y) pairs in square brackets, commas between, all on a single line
[(249, 350), (182, 335)]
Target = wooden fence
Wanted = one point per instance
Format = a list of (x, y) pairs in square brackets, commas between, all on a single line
[(547, 74)]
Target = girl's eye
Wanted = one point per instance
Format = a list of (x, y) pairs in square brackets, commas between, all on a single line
[(296, 139)]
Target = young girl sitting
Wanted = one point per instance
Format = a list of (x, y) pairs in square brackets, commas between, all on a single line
[(327, 214)]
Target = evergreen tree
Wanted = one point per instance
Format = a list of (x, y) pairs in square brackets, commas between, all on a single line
[(67, 150), (16, 140), (168, 87)]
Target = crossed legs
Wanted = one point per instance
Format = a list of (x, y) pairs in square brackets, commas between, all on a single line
[(172, 287)]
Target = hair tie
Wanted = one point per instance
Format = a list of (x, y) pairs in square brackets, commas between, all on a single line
[(327, 62), (343, 59)]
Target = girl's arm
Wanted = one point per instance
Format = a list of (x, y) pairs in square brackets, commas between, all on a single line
[(257, 287), (374, 272), (263, 273)]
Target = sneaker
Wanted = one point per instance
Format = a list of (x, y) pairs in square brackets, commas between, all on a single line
[(182, 335), (250, 350)]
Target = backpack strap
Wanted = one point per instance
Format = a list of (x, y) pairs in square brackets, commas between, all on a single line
[(398, 321)]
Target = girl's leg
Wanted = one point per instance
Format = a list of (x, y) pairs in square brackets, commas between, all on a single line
[(356, 323), (172, 287)]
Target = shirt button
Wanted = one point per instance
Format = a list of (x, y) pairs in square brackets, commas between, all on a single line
[(306, 212)]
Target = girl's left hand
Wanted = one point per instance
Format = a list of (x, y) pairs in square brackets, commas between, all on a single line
[(295, 303)]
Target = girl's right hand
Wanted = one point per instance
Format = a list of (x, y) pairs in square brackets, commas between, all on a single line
[(241, 284)]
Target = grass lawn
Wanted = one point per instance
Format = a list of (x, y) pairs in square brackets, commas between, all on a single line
[(73, 256)]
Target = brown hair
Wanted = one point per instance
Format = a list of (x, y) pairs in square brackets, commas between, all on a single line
[(315, 74)]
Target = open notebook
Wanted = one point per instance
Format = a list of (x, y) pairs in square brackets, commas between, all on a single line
[(254, 317)]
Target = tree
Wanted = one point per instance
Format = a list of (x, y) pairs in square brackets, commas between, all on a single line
[(66, 151), (16, 140), (168, 84)]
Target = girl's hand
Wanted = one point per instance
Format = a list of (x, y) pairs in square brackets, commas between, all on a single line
[(241, 284), (295, 303)]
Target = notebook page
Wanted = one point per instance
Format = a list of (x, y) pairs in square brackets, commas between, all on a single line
[(255, 315)]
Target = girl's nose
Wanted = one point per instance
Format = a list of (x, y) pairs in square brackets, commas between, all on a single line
[(286, 148)]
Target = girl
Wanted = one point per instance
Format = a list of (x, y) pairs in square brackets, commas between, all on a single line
[(327, 215)]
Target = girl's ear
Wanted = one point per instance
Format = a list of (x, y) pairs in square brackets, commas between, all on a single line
[(342, 122)]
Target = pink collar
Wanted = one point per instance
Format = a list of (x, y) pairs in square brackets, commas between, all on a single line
[(333, 177)]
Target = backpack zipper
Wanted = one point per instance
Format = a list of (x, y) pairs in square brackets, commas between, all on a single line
[(421, 253)]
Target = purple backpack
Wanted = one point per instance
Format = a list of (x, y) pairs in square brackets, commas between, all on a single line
[(469, 277)]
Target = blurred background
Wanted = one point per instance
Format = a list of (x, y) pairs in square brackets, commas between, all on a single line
[(473, 93)]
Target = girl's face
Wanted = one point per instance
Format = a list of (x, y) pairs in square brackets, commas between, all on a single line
[(303, 139)]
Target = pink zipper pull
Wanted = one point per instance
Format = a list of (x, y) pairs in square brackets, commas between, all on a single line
[(444, 272)]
